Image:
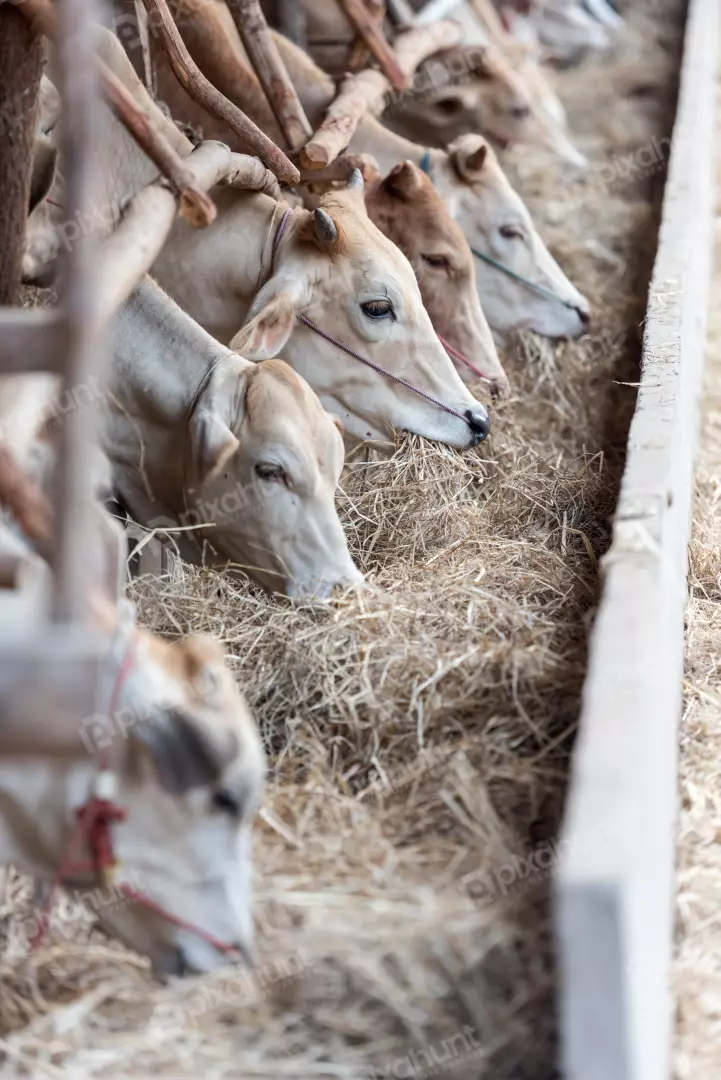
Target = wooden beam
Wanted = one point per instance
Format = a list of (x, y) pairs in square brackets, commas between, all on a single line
[(21, 57), (201, 90), (365, 25), (279, 90), (615, 882)]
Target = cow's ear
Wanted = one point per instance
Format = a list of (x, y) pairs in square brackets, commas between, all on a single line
[(212, 443), (468, 155), (45, 162), (267, 331), (186, 752), (404, 181)]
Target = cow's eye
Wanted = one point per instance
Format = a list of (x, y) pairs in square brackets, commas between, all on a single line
[(273, 474), (512, 232), (378, 309), (439, 261), (226, 803), (520, 112)]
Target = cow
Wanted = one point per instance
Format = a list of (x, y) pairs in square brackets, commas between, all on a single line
[(171, 763), (241, 455), (333, 269), (406, 207), (562, 29)]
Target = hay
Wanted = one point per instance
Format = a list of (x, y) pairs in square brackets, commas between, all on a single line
[(697, 970), (420, 730)]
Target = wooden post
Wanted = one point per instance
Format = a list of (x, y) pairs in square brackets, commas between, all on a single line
[(201, 90), (269, 68), (196, 206), (79, 88), (365, 25), (21, 57)]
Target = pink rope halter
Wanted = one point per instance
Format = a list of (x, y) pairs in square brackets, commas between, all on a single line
[(364, 359)]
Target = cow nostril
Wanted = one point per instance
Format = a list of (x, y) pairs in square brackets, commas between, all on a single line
[(585, 318), (479, 423)]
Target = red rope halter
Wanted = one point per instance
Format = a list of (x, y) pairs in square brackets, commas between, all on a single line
[(94, 820)]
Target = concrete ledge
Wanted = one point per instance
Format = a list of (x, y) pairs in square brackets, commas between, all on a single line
[(614, 887)]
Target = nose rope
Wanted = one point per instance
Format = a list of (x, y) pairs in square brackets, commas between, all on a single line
[(358, 356), (93, 821), (548, 294), (381, 370), (464, 360), (541, 290)]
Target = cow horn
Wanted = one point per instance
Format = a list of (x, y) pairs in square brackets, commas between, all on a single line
[(325, 227), (355, 180)]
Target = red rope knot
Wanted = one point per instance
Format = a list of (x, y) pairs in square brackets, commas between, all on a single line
[(95, 818)]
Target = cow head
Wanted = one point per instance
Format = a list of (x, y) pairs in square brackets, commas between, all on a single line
[(483, 91), (496, 223), (189, 768), (407, 208), (265, 460), (338, 270), (191, 780)]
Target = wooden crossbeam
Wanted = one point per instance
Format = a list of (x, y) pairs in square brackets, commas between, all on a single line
[(31, 340)]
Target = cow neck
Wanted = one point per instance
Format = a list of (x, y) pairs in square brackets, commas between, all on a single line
[(166, 362)]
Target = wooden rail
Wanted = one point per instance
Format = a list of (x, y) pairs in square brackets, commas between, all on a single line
[(615, 881)]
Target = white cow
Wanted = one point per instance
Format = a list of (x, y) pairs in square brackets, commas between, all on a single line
[(172, 747), (199, 436)]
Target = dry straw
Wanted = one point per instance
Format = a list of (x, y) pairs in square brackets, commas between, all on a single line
[(420, 728)]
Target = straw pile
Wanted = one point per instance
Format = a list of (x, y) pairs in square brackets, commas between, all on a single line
[(420, 730), (697, 972)]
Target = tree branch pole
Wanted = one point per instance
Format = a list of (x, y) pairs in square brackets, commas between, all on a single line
[(269, 68), (201, 90), (366, 25), (366, 92)]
